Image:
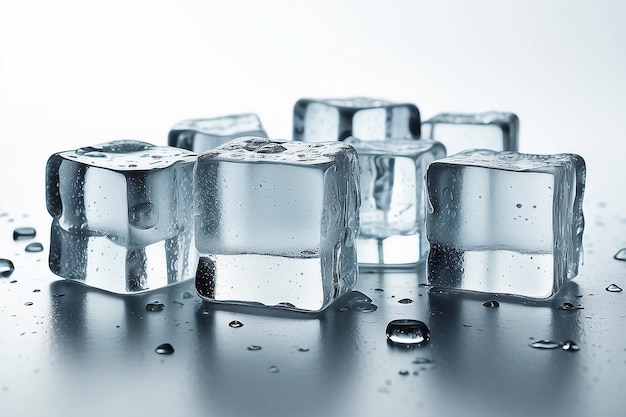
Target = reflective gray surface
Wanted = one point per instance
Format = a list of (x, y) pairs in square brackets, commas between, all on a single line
[(77, 350)]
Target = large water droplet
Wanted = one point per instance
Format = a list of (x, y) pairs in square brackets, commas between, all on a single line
[(545, 344), (6, 268), (235, 324), (570, 346), (491, 304), (155, 306), (23, 233), (143, 216), (613, 288), (407, 332), (620, 255), (405, 301), (254, 347), (34, 247), (164, 349)]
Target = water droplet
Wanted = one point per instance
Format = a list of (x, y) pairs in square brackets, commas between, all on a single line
[(274, 369), (545, 344), (254, 347), (407, 332), (620, 255), (378, 289), (423, 361), (187, 295), (155, 306), (6, 268), (36, 290), (405, 301), (285, 304), (342, 309), (404, 372), (613, 288), (28, 303), (364, 307), (164, 349), (23, 233), (58, 295), (34, 247), (518, 205), (143, 216), (570, 306), (570, 346), (235, 324), (303, 349), (491, 304)]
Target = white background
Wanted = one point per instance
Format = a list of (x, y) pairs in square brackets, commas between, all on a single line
[(76, 73)]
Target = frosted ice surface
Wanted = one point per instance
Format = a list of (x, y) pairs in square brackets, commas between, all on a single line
[(276, 222), (505, 222), (497, 131), (200, 135), (361, 117), (393, 207), (127, 195)]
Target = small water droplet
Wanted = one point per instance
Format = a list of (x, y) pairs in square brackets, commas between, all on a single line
[(404, 372), (342, 309), (303, 349), (570, 306), (545, 344), (28, 303), (187, 295), (620, 255), (407, 332), (23, 233), (423, 361), (254, 347), (235, 324), (364, 307), (285, 304), (613, 288), (155, 306), (34, 247), (164, 349), (518, 205), (570, 346), (36, 290), (6, 268), (405, 301), (274, 369), (491, 304), (378, 289)]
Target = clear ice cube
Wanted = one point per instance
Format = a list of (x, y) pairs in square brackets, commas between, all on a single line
[(392, 212), (121, 200), (200, 135), (320, 120), (276, 221), (505, 222), (497, 131)]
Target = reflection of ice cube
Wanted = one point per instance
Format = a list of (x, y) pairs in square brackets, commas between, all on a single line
[(200, 135), (125, 200), (134, 193), (271, 215), (461, 131), (505, 222), (364, 118), (392, 208)]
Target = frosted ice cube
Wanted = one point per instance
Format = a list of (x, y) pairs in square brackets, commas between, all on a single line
[(275, 222), (319, 120), (130, 195), (505, 222), (200, 135), (393, 192), (497, 131)]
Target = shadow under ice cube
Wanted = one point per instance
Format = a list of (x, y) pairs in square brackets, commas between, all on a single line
[(122, 215), (504, 222), (200, 135), (391, 232), (276, 221), (497, 131), (320, 120)]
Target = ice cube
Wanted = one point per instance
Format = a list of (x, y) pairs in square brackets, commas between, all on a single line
[(392, 212), (123, 196), (276, 221), (497, 131), (505, 222), (200, 135), (364, 118)]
